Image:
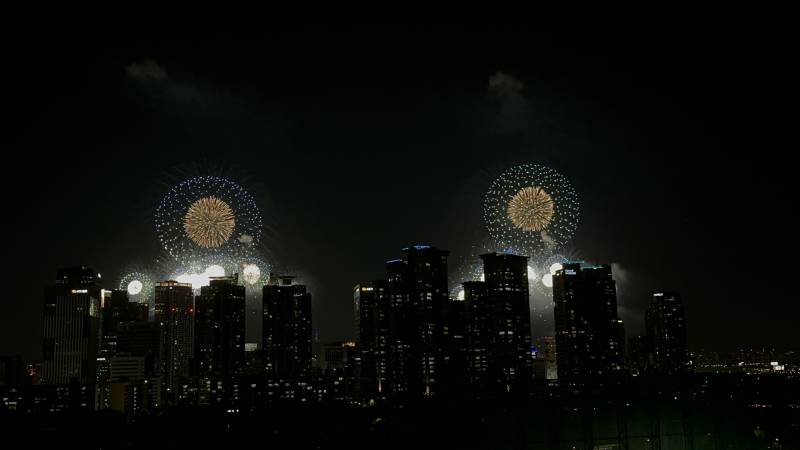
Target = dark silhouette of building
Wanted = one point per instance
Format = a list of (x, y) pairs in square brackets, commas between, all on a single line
[(589, 332), (143, 339), (339, 361), (129, 386), (12, 371), (418, 293), (71, 333), (639, 355), (117, 310), (415, 342), (666, 333), (479, 329), (455, 372), (371, 308), (220, 340), (287, 329), (498, 326), (403, 366), (174, 314)]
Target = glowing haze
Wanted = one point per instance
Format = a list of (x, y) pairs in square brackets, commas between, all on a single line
[(199, 280)]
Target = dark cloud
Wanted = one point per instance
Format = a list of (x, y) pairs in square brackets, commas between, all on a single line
[(503, 86), (147, 70), (510, 111)]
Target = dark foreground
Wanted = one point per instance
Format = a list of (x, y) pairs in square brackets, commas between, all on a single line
[(732, 416)]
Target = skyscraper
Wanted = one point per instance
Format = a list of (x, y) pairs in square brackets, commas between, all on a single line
[(220, 339), (143, 339), (666, 334), (639, 355), (403, 366), (455, 373), (287, 329), (338, 366), (371, 319), (479, 330), (116, 310), (498, 325), (589, 332), (418, 292), (129, 385), (71, 334), (174, 311)]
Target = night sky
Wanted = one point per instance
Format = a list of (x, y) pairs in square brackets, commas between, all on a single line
[(358, 141)]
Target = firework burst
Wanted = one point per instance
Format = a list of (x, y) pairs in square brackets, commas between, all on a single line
[(139, 286), (209, 222), (532, 209), (206, 216)]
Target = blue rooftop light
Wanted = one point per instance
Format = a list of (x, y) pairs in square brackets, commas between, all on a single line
[(417, 247)]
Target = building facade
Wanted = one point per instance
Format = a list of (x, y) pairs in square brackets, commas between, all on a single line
[(418, 292), (589, 332), (666, 334), (174, 314), (371, 312), (71, 333), (220, 340), (287, 329), (498, 326)]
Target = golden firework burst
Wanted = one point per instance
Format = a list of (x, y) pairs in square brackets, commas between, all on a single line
[(531, 209), (209, 222)]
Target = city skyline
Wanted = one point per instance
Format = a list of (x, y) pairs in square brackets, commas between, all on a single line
[(397, 150), (412, 342), (512, 234)]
